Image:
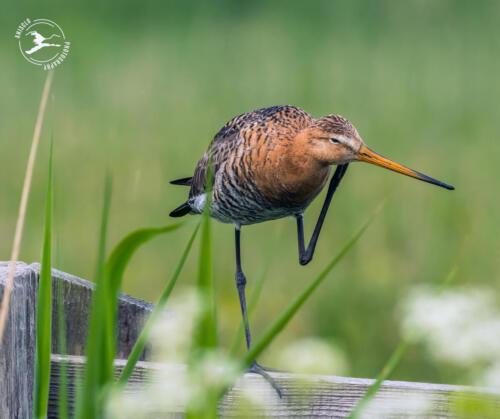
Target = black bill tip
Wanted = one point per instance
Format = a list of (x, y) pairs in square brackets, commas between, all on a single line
[(436, 182)]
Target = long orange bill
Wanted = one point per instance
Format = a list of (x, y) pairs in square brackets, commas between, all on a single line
[(369, 156)]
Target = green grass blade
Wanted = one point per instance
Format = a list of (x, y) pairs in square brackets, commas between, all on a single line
[(44, 312), (123, 252), (114, 270), (97, 370), (393, 361), (206, 330), (62, 404), (106, 327), (145, 333), (384, 374), (273, 330)]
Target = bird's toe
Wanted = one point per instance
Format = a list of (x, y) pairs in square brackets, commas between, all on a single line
[(255, 368)]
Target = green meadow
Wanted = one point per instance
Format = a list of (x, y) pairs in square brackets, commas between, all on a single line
[(145, 87)]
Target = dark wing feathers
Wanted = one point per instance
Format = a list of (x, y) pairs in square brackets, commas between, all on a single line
[(181, 210), (185, 181), (218, 153), (275, 119)]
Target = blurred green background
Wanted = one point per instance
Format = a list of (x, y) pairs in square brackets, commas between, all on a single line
[(147, 84)]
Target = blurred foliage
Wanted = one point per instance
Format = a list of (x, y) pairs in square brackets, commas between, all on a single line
[(147, 84)]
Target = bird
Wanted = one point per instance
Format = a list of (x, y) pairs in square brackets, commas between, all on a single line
[(272, 163), (39, 41)]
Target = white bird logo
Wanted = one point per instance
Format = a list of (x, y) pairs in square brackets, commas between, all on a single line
[(39, 41)]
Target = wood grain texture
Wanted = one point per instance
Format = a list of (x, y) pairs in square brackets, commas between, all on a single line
[(77, 299), (18, 349), (18, 346), (304, 395)]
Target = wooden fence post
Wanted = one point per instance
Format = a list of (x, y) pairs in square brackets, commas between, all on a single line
[(18, 348)]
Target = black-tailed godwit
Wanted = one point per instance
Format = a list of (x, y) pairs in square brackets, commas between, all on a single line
[(272, 163)]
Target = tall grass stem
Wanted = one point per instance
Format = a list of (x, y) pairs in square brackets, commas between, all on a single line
[(24, 203)]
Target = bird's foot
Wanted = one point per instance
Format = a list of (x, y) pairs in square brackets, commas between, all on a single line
[(267, 369), (255, 368)]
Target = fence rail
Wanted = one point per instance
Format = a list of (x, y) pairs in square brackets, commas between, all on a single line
[(303, 395)]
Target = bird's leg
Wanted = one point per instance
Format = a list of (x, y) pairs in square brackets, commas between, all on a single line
[(241, 282), (305, 255), (240, 285)]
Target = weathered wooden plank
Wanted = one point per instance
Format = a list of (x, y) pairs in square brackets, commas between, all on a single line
[(304, 396), (75, 371), (18, 348), (77, 298)]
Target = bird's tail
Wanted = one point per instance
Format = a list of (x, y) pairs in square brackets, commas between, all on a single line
[(185, 181), (181, 210)]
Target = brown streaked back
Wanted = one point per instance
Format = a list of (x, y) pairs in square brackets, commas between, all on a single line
[(251, 129)]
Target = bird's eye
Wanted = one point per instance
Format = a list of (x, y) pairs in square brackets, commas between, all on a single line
[(334, 140)]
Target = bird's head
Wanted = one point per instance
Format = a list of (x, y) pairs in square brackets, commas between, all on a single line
[(334, 140)]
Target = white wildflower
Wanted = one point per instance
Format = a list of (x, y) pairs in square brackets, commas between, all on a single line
[(491, 376), (127, 406), (169, 389), (410, 404), (172, 386), (459, 325), (257, 396), (171, 335), (209, 375), (312, 356)]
